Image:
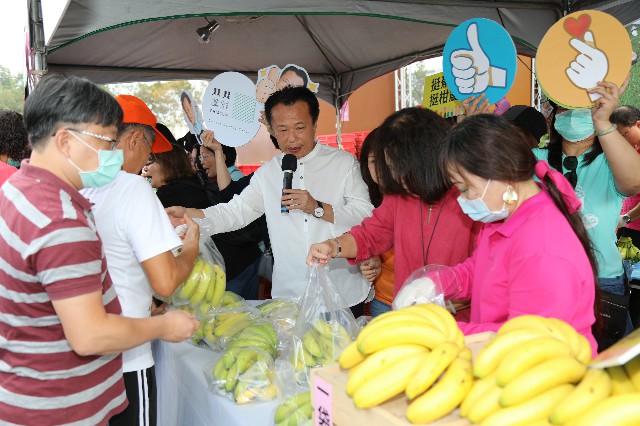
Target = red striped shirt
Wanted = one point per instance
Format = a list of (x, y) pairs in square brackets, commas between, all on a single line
[(50, 250)]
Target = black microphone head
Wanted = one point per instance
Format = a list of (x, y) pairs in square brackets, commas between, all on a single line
[(289, 163)]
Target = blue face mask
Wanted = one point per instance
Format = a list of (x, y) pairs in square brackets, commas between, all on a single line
[(14, 163), (109, 164), (574, 125), (478, 210)]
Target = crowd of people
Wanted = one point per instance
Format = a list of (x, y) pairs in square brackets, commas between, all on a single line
[(87, 228)]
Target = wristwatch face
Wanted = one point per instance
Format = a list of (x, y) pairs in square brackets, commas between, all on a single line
[(626, 218), (318, 212)]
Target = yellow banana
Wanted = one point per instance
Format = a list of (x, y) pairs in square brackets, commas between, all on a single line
[(491, 355), (401, 333), (486, 405), (446, 317), (594, 387), (228, 297), (219, 286), (379, 362), (192, 281), (534, 322), (201, 291), (533, 410), (618, 410), (219, 369), (246, 359), (387, 383), (570, 334), (398, 317), (632, 368), (432, 317), (540, 378), (523, 357), (311, 344), (204, 308), (350, 356), (444, 396), (434, 364), (584, 354), (620, 381), (477, 391), (232, 378), (209, 276)]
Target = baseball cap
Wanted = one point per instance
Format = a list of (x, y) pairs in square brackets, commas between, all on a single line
[(136, 111), (527, 118)]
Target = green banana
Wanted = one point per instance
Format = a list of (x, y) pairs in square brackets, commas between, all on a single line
[(232, 378), (311, 344), (200, 292), (246, 359), (204, 308), (192, 281), (219, 369), (209, 276), (290, 405), (219, 286), (230, 327)]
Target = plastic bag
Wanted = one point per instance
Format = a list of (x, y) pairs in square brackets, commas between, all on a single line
[(243, 375), (428, 284), (295, 410), (232, 300), (261, 334), (282, 313), (324, 327), (206, 284)]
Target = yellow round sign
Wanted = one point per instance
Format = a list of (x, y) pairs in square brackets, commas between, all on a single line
[(577, 52)]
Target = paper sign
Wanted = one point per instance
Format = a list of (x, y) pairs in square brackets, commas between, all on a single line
[(322, 402), (438, 98), (192, 114), (620, 353), (479, 57), (273, 78), (577, 52), (230, 109)]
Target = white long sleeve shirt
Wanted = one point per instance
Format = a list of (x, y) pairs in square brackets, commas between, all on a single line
[(331, 176)]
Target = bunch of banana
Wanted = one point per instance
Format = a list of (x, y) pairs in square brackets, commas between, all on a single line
[(227, 324), (231, 300), (527, 374), (204, 287), (274, 306), (418, 350), (259, 335), (295, 411), (627, 250), (245, 373), (320, 344)]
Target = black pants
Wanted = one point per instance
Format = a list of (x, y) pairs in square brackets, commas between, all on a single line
[(141, 393)]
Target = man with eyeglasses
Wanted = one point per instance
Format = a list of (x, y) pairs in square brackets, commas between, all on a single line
[(138, 241), (60, 323)]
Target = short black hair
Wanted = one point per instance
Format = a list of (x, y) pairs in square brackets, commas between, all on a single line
[(625, 115), (298, 71), (229, 152), (368, 146), (289, 96), (57, 99), (175, 163), (13, 135), (167, 133), (411, 140)]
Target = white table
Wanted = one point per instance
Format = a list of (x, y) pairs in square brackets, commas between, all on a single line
[(183, 395)]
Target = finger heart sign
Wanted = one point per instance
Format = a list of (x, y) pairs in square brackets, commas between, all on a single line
[(479, 57), (578, 52)]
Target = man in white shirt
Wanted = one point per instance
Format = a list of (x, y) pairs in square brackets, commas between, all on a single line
[(138, 240), (329, 197)]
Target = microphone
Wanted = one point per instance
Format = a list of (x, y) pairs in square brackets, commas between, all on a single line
[(289, 165)]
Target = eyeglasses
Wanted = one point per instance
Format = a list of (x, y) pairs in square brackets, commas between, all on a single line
[(571, 163), (152, 156), (113, 142), (205, 157)]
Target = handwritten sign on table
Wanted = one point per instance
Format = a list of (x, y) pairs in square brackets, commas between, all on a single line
[(322, 402)]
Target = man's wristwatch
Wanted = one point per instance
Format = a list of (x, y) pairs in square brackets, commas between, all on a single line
[(319, 211), (626, 218)]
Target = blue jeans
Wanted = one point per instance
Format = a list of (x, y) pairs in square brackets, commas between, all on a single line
[(377, 307), (246, 283)]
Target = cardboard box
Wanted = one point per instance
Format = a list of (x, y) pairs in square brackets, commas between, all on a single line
[(392, 412)]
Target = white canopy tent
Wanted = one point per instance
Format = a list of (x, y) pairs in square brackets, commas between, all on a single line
[(342, 43)]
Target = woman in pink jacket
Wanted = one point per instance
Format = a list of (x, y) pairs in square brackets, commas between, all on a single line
[(533, 255)]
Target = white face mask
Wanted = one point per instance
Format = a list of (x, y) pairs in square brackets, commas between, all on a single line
[(478, 210)]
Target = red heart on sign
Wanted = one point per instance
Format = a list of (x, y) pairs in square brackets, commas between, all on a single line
[(577, 27)]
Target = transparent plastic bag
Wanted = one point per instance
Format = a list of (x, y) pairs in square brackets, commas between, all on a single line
[(198, 338), (324, 327), (295, 410), (261, 334), (282, 313), (231, 300), (243, 375), (428, 284), (228, 322), (206, 284)]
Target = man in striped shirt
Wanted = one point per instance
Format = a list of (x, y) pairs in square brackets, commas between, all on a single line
[(60, 330)]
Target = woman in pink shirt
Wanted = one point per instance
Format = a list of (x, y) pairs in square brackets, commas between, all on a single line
[(533, 255)]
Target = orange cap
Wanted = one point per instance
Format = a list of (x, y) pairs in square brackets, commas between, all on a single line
[(136, 111)]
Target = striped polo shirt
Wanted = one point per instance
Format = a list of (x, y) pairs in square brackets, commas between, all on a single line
[(50, 250)]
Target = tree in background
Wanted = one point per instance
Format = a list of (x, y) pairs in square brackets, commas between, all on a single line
[(11, 90)]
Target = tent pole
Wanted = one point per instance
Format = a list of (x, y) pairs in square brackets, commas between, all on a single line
[(37, 51), (336, 89)]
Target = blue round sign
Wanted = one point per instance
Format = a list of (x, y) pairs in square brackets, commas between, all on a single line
[(479, 57)]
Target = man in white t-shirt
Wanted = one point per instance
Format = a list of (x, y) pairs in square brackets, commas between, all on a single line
[(138, 240)]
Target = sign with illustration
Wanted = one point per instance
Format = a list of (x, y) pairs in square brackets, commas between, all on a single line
[(632, 95), (192, 114), (230, 108), (479, 57), (438, 98), (273, 78), (577, 52)]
